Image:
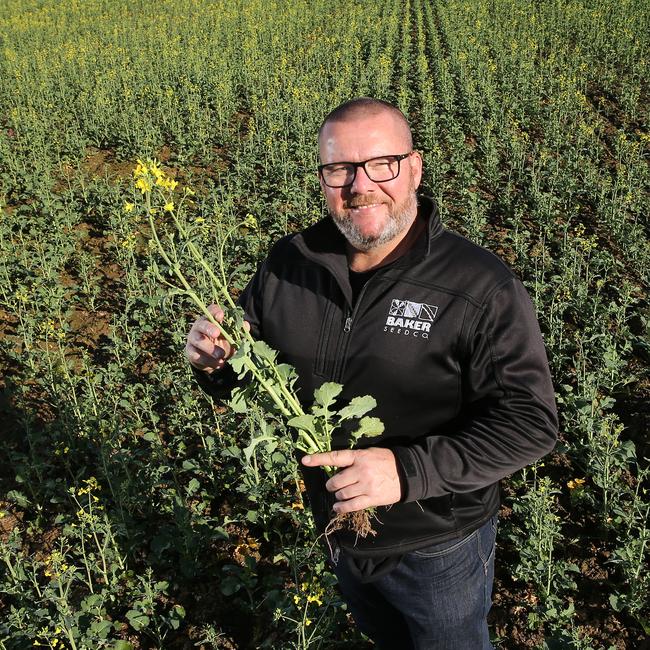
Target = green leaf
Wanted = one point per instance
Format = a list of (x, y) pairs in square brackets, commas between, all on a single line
[(137, 620), (193, 486), (264, 351), (357, 407), (278, 457), (101, 628), (287, 372), (327, 393), (304, 422), (248, 451), (123, 645), (176, 616), (237, 361), (230, 585), (238, 401), (369, 428), (91, 601), (18, 498)]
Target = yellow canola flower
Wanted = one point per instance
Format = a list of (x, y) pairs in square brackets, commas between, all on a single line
[(91, 484), (128, 207), (166, 183), (169, 207), (143, 185), (155, 169), (576, 483), (140, 170)]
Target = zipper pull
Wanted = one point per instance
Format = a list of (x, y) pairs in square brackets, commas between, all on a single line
[(348, 324)]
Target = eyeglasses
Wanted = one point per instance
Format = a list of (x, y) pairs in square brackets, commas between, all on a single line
[(378, 170)]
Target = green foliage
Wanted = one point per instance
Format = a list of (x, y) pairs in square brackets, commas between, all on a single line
[(533, 122)]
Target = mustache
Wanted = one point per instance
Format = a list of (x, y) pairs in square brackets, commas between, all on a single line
[(360, 201)]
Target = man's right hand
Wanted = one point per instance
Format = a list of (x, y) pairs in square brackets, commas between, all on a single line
[(206, 348)]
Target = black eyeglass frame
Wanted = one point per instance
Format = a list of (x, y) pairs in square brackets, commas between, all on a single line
[(356, 165)]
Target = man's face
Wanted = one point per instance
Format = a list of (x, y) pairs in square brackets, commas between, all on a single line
[(371, 214)]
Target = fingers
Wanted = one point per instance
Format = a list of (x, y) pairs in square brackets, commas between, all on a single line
[(343, 480), (370, 477), (216, 311), (204, 328), (352, 505), (206, 338), (348, 492), (205, 347), (205, 360), (341, 458)]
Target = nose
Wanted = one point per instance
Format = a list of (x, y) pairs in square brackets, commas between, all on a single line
[(361, 183)]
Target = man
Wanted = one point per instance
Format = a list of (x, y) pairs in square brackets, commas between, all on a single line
[(384, 300)]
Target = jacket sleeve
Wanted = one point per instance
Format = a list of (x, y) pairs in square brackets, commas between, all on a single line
[(508, 416), (218, 384)]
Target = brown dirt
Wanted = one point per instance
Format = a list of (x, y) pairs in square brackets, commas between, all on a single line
[(9, 520)]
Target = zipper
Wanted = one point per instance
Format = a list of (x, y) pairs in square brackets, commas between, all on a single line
[(348, 321), (344, 341)]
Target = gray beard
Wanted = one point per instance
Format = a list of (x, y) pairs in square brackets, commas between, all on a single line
[(399, 220)]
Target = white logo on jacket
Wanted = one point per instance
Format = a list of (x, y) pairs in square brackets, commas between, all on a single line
[(410, 318)]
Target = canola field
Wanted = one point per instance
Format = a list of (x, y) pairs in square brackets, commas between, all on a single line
[(137, 514)]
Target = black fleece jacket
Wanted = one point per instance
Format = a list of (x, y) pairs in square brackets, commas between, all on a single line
[(445, 339)]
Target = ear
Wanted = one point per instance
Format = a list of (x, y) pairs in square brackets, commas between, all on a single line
[(415, 162), (323, 187)]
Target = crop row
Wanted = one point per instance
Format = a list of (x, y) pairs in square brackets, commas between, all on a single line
[(134, 511)]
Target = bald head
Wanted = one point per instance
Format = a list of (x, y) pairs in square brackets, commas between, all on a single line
[(367, 107)]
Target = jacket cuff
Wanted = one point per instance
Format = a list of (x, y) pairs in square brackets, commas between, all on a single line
[(217, 384), (411, 474)]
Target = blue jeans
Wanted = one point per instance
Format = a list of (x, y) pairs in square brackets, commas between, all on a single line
[(437, 598)]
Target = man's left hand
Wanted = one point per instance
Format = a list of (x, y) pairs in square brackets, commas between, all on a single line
[(370, 477)]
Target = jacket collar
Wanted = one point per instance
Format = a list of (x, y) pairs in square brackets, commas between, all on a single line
[(323, 244)]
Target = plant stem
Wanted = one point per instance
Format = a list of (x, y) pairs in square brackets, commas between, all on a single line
[(291, 400), (250, 365)]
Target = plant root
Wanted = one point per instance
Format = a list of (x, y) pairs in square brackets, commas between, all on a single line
[(360, 522)]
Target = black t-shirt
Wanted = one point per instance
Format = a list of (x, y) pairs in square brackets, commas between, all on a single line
[(358, 280)]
